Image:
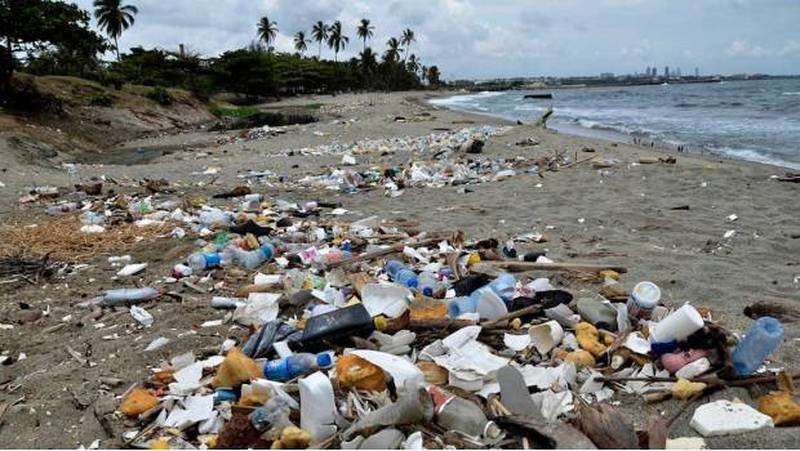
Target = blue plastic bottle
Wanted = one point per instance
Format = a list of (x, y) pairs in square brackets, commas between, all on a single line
[(296, 365), (761, 340), (459, 306), (200, 260), (399, 273)]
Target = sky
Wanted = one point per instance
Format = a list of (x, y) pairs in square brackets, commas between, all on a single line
[(480, 39)]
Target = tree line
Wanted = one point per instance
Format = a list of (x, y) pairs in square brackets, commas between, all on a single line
[(50, 37)]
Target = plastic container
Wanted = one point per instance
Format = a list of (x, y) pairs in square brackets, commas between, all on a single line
[(202, 260), (643, 299), (678, 325), (761, 340), (600, 314), (504, 286), (429, 284), (399, 273), (296, 365), (454, 413), (337, 327), (128, 295), (483, 301)]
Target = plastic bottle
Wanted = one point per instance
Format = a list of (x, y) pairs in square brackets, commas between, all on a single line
[(504, 286), (399, 273), (461, 415), (428, 283), (128, 295), (333, 256), (296, 365), (202, 260), (60, 209), (254, 259), (460, 305), (761, 340)]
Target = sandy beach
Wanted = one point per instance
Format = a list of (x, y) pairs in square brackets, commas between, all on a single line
[(668, 223)]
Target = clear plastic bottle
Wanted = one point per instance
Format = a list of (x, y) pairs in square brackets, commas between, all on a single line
[(255, 258), (761, 340), (296, 365), (60, 209), (400, 273), (429, 284), (460, 305), (461, 415)]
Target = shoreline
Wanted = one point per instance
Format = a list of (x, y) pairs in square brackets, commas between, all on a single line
[(612, 135)]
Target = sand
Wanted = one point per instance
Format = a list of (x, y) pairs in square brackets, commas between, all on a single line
[(622, 215)]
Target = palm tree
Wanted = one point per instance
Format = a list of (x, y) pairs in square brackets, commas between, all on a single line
[(367, 61), (300, 42), (320, 33), (423, 73), (413, 64), (337, 41), (407, 39), (114, 18), (393, 51), (267, 31), (365, 31), (433, 76)]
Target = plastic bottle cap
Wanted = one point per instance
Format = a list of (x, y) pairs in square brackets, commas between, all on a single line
[(473, 259), (324, 360), (380, 322), (427, 291), (413, 283)]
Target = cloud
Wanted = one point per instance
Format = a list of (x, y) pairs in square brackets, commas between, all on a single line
[(742, 48), (486, 38)]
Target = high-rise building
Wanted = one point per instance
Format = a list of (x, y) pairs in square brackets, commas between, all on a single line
[(696, 72), (666, 71), (647, 71), (678, 72)]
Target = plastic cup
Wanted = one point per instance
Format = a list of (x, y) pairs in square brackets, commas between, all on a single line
[(546, 336), (678, 325)]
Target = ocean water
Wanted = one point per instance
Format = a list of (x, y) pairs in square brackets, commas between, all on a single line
[(750, 120)]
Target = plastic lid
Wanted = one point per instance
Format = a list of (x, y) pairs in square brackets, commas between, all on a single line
[(646, 294), (324, 360), (427, 291), (412, 283)]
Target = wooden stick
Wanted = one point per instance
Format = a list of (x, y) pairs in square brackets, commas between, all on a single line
[(517, 266), (515, 314), (384, 252)]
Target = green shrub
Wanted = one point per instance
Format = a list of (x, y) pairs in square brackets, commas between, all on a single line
[(234, 112), (101, 100), (161, 96)]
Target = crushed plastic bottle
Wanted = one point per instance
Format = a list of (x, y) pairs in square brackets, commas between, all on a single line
[(127, 295), (255, 258), (458, 414), (296, 365), (761, 340), (400, 273)]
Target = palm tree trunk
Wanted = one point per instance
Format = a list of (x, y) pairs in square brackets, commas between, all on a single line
[(319, 55), (365, 44), (116, 46)]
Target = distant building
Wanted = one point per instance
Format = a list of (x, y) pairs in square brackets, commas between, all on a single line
[(678, 72), (607, 75), (696, 72), (666, 71)]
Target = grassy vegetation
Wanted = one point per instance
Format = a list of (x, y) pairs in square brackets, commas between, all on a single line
[(232, 111)]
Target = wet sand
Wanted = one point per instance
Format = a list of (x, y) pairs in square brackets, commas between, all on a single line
[(622, 215)]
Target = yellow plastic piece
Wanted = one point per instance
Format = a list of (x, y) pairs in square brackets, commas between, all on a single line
[(588, 339), (235, 370), (683, 389), (137, 402), (581, 359)]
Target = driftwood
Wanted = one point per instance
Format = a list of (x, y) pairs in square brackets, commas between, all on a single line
[(394, 249), (518, 266)]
